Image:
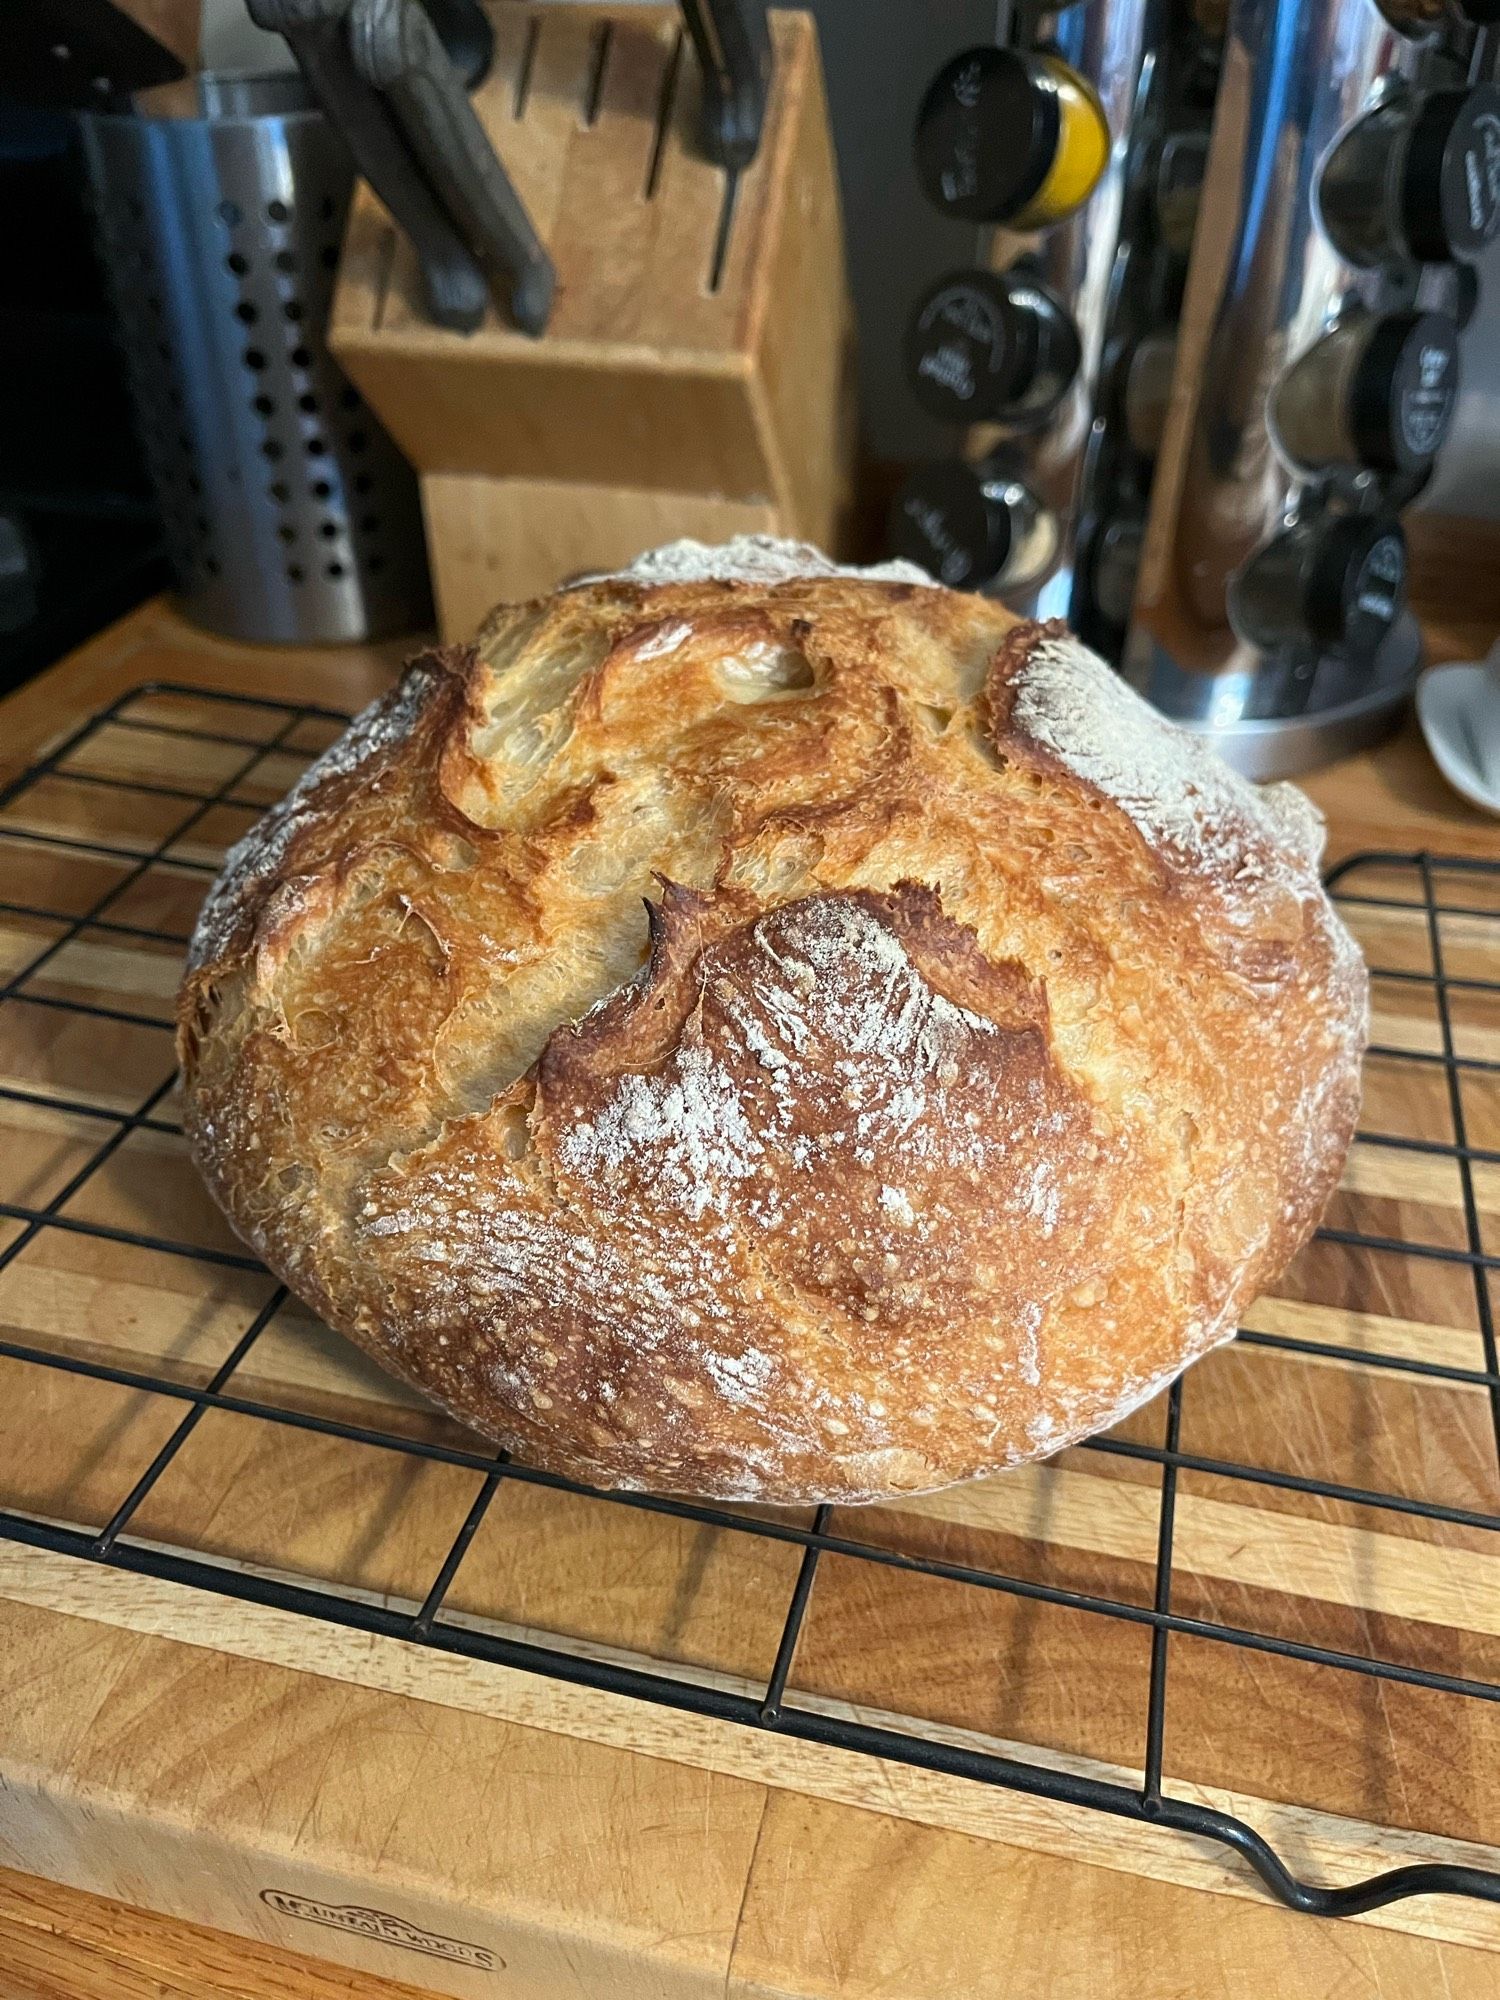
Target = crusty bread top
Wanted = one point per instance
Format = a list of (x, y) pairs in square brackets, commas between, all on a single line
[(985, 1044)]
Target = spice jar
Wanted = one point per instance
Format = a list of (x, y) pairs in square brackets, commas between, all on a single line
[(1329, 584), (1009, 137), (1114, 563), (1148, 390), (1417, 177), (1378, 391), (990, 347), (973, 527)]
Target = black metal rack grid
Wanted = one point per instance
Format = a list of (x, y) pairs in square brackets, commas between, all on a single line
[(769, 1709)]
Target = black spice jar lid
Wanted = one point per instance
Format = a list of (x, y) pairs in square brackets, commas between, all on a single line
[(970, 347), (987, 134), (1356, 583), (944, 520), (1404, 391), (1450, 197)]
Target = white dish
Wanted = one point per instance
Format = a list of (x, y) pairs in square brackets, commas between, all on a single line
[(1457, 707)]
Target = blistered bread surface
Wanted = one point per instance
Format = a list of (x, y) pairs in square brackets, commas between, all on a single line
[(761, 1031)]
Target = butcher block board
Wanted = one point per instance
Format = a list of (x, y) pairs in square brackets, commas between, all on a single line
[(470, 1828)]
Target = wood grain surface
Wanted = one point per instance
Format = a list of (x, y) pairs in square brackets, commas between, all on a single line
[(493, 537), (186, 1752)]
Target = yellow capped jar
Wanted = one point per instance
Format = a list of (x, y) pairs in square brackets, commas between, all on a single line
[(1009, 137)]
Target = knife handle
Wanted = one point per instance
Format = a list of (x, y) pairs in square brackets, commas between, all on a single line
[(457, 291), (733, 45), (397, 51), (467, 34)]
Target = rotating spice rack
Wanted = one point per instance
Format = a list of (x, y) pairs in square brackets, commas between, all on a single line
[(106, 845)]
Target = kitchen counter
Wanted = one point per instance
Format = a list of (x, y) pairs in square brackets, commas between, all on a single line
[(267, 1781)]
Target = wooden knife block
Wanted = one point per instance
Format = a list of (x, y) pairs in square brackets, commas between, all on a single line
[(695, 378)]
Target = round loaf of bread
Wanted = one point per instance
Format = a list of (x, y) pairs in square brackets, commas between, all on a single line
[(763, 1031)]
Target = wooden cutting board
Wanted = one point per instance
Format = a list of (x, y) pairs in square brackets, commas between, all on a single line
[(469, 1828)]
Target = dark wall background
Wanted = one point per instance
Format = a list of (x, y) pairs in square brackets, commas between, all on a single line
[(79, 540)]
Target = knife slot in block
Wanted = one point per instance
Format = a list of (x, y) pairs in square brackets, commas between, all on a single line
[(693, 377), (592, 96), (663, 132), (526, 65)]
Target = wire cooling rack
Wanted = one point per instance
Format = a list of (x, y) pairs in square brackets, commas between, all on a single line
[(241, 733)]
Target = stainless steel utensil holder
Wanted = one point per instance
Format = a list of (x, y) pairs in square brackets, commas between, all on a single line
[(290, 515)]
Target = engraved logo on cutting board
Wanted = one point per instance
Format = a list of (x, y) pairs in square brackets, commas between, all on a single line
[(383, 1927)]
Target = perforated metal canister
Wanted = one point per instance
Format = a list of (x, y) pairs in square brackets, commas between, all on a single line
[(289, 513)]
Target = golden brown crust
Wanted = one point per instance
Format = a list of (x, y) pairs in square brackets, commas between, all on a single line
[(985, 1049)]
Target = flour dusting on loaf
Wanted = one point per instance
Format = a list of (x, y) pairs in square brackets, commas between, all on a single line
[(771, 1031), (1181, 795), (763, 559)]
